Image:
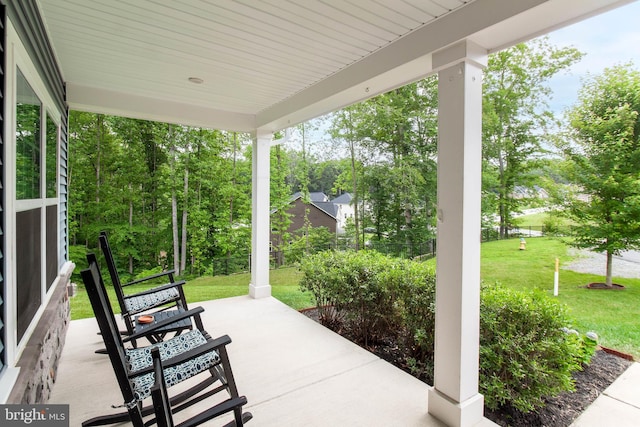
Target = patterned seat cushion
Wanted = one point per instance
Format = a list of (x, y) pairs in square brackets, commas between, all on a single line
[(140, 358), (137, 304)]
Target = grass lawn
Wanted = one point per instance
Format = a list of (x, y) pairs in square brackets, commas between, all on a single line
[(533, 220), (613, 315), (537, 220), (284, 286)]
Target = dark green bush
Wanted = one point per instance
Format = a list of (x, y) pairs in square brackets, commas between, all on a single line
[(524, 353), (367, 300), (348, 287), (323, 277), (414, 284)]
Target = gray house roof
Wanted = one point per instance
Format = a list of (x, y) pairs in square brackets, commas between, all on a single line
[(329, 207), (343, 199), (314, 196), (320, 201)]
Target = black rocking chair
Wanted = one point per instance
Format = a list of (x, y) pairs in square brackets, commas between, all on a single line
[(160, 302), (185, 356)]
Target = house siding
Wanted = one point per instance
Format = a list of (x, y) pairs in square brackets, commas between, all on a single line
[(63, 191), (317, 217)]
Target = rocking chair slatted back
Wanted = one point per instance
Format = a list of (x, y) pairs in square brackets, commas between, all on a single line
[(183, 357), (166, 300)]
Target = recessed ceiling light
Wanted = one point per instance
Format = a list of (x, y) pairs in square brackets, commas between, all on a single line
[(196, 80)]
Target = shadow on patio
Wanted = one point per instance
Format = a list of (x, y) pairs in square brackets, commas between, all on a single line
[(292, 370)]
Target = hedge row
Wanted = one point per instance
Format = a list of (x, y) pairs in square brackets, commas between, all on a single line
[(525, 352)]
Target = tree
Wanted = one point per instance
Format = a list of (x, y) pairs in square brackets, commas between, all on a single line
[(304, 188), (280, 197), (516, 119), (141, 181), (128, 224), (344, 128), (392, 146), (605, 127)]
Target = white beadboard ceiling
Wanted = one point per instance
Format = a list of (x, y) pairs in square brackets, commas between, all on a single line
[(268, 64)]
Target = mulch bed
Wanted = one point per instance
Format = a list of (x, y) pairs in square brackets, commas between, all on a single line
[(559, 411)]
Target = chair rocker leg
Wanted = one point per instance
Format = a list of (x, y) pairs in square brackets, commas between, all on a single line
[(120, 417), (230, 405), (246, 416)]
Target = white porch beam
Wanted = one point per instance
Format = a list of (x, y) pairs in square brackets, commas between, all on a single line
[(260, 223), (118, 103), (405, 60), (454, 398)]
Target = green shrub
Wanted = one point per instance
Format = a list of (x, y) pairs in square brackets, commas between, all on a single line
[(319, 238), (586, 345), (350, 288), (322, 276), (414, 284), (524, 353), (552, 225)]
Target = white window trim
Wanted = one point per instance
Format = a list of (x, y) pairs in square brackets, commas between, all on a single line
[(17, 57)]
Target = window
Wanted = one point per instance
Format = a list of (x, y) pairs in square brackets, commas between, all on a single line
[(37, 154), (28, 148)]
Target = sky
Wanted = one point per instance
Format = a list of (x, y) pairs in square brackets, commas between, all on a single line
[(609, 39)]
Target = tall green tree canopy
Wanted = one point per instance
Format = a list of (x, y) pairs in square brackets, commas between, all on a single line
[(516, 120), (392, 141), (605, 163), (166, 194)]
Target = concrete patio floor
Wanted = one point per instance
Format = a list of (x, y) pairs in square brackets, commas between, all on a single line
[(293, 371)]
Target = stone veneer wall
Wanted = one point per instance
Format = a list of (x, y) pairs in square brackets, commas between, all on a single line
[(39, 360)]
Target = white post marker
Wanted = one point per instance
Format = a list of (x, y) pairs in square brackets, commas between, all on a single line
[(555, 279)]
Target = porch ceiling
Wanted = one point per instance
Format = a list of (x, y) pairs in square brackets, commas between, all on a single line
[(273, 63)]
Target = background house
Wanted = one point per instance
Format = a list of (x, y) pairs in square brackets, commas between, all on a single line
[(346, 211), (332, 214)]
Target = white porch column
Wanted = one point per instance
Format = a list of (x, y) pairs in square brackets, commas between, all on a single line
[(455, 398), (260, 208)]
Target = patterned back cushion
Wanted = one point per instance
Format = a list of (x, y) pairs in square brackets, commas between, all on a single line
[(140, 358), (137, 304)]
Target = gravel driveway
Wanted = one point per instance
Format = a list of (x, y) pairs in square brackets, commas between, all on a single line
[(627, 264)]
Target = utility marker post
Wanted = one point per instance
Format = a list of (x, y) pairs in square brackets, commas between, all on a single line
[(555, 278)]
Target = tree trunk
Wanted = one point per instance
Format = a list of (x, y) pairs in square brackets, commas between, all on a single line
[(174, 223), (183, 248), (609, 279), (502, 199), (356, 219), (174, 205), (130, 226), (233, 184), (98, 159), (305, 191)]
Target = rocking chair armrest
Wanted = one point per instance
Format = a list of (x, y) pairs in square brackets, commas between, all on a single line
[(153, 276), (207, 347), (177, 284), (148, 330)]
